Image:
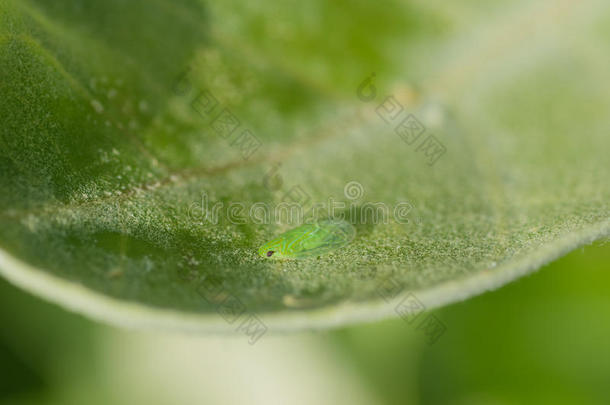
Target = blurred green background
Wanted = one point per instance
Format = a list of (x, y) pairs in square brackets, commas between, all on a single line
[(543, 339)]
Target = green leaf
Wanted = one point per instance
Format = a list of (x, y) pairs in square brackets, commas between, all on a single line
[(108, 152)]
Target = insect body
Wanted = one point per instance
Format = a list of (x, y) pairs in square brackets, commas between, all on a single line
[(309, 240)]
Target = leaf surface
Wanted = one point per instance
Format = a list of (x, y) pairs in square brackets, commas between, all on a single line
[(111, 149)]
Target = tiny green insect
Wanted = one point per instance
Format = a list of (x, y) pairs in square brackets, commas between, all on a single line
[(309, 240)]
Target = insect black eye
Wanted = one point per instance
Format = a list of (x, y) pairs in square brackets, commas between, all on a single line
[(269, 253)]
